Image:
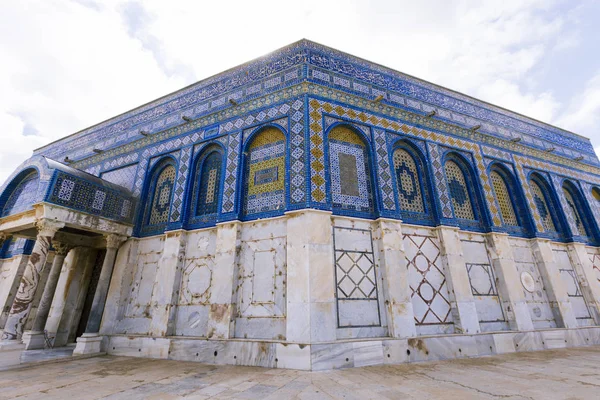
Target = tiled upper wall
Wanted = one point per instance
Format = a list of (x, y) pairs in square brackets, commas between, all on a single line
[(305, 60)]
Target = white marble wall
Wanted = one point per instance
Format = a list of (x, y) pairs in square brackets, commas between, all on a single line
[(532, 284), (11, 271), (482, 278)]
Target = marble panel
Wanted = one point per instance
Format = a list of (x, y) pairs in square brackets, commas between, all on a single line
[(332, 356), (292, 356)]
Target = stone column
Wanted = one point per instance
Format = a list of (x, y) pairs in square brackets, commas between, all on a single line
[(222, 307), (459, 286), (507, 282), (166, 292), (29, 282), (34, 339), (311, 298), (584, 269), (90, 341), (394, 271), (555, 288)]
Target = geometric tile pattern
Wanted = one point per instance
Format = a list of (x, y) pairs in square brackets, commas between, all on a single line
[(429, 290), (461, 200), (409, 188), (207, 186), (568, 206), (383, 170), (502, 195), (161, 199), (265, 172), (23, 196), (79, 194), (573, 214), (318, 107), (440, 180), (541, 207), (124, 176), (180, 184), (349, 171), (355, 275), (231, 172)]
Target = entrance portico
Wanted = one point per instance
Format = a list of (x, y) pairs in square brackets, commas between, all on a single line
[(83, 232)]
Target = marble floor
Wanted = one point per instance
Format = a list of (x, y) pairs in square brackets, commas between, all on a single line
[(557, 374)]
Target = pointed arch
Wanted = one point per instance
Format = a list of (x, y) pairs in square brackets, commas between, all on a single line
[(24, 193), (412, 183), (545, 204), (350, 178), (158, 198), (206, 186), (265, 172), (579, 217), (510, 199)]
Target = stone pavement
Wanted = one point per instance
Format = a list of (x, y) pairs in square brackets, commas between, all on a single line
[(557, 374)]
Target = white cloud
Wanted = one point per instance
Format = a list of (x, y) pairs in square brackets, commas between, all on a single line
[(66, 65), (583, 112)]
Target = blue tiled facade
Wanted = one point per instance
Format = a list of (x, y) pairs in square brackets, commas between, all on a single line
[(408, 135)]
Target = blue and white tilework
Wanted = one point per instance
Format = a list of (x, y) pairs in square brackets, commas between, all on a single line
[(23, 196), (124, 176), (440, 180), (185, 157), (231, 173), (383, 169)]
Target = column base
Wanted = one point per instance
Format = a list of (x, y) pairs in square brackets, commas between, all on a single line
[(34, 340), (88, 343)]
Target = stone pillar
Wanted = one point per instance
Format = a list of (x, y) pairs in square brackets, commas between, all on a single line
[(507, 282), (90, 341), (168, 277), (29, 282), (311, 299), (394, 271), (459, 286), (120, 286), (555, 288), (7, 295), (34, 339), (590, 287), (222, 307)]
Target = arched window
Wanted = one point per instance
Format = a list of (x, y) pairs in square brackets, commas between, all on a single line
[(503, 197), (573, 210), (206, 186), (265, 173), (459, 192), (23, 195), (351, 188), (412, 183), (158, 201), (543, 204)]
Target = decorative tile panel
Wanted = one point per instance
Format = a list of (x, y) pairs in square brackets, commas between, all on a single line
[(231, 172), (459, 192), (124, 176), (180, 185), (410, 194), (161, 198), (507, 210), (383, 170), (23, 196), (265, 172)]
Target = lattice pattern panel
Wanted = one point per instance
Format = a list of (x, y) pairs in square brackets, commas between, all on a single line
[(410, 194), (265, 173), (230, 182), (356, 278), (427, 281), (541, 206), (459, 192), (79, 194), (161, 199), (507, 210), (349, 171), (23, 196), (573, 215), (122, 176), (207, 187)]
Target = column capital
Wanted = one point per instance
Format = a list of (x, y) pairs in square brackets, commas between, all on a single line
[(114, 241), (47, 227), (62, 249), (3, 236)]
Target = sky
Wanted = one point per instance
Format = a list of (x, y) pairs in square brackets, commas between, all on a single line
[(69, 64)]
